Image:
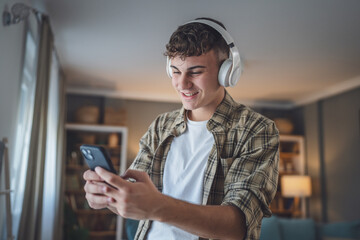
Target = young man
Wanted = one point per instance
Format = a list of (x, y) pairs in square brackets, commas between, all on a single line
[(208, 170)]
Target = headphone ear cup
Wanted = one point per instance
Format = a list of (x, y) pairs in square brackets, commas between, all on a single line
[(224, 72), (168, 68), (235, 76)]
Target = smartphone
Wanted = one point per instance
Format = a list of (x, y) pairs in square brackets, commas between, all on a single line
[(97, 156)]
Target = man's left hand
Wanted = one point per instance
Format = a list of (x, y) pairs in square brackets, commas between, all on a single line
[(138, 200)]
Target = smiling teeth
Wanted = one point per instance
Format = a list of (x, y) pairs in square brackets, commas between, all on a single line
[(189, 94)]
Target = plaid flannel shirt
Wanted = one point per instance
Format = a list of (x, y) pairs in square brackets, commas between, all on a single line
[(242, 168)]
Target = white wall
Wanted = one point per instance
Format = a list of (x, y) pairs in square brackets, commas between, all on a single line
[(11, 48)]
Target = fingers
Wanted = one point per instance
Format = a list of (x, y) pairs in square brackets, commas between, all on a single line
[(94, 187), (139, 176), (91, 176), (98, 201), (95, 194), (113, 179)]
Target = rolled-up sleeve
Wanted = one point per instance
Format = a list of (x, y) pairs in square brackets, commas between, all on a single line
[(142, 162), (252, 178)]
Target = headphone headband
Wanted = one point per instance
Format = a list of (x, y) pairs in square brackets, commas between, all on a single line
[(231, 69), (228, 39)]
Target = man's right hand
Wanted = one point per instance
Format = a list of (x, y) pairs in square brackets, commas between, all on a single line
[(94, 191)]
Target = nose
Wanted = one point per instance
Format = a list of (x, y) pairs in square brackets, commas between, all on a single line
[(183, 82)]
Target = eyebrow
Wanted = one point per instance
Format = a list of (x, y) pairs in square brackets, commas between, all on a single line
[(190, 68)]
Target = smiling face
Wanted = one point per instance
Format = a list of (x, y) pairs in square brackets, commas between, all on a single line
[(196, 81)]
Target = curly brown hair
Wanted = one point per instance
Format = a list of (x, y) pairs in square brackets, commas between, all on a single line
[(195, 39)]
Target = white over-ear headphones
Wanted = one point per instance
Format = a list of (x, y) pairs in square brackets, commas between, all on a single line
[(231, 69)]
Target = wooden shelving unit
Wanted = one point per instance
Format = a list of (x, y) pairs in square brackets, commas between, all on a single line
[(292, 162), (100, 224)]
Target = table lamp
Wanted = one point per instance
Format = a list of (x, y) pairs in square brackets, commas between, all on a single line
[(296, 186)]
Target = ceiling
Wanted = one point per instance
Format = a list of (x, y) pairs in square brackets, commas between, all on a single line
[(294, 52)]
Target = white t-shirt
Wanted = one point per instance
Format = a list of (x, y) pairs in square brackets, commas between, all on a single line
[(184, 175)]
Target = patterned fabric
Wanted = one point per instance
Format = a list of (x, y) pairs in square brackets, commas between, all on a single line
[(242, 168)]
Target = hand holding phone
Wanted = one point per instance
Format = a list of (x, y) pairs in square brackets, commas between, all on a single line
[(97, 156)]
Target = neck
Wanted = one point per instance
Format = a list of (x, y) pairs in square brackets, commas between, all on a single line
[(199, 115), (205, 113)]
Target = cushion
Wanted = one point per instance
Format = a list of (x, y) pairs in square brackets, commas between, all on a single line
[(335, 238), (270, 229), (342, 230), (131, 227), (297, 229)]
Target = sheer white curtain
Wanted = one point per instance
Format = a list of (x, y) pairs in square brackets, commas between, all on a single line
[(50, 170), (19, 163)]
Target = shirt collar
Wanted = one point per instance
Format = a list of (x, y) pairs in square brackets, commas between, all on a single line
[(179, 125), (222, 115), (220, 118)]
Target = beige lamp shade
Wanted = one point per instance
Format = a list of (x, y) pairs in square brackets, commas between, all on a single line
[(295, 186)]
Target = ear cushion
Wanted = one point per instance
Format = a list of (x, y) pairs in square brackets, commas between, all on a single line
[(168, 68), (234, 78), (224, 72)]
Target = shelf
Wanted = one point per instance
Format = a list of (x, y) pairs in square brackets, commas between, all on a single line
[(102, 224), (102, 233), (291, 138), (94, 220), (107, 147), (94, 127), (289, 155), (94, 212), (76, 192), (278, 211), (77, 167), (292, 162), (283, 213), (288, 173), (82, 168)]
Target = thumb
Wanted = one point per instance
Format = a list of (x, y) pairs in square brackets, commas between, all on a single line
[(139, 176)]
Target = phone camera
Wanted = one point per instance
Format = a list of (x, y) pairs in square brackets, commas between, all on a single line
[(87, 153)]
